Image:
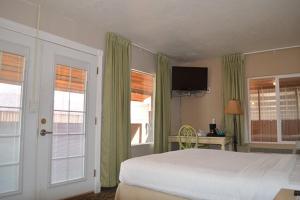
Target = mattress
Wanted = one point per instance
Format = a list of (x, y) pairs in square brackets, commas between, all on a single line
[(213, 174)]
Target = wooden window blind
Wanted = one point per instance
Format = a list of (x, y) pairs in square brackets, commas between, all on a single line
[(141, 86), (70, 79), (11, 68)]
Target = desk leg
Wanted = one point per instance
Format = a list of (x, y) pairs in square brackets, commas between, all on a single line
[(223, 147), (230, 146), (169, 146)]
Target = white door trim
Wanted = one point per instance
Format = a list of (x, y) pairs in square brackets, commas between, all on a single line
[(98, 124)]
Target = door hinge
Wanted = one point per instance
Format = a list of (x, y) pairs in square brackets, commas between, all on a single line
[(94, 172), (97, 70), (96, 120)]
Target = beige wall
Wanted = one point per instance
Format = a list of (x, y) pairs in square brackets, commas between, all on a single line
[(52, 21), (19, 11), (278, 62), (198, 111)]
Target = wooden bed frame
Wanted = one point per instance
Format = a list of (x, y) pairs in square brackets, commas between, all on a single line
[(129, 192)]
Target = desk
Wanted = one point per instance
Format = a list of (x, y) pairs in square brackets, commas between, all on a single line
[(286, 194), (297, 146), (222, 141)]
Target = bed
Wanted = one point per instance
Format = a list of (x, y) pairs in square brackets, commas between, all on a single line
[(208, 174)]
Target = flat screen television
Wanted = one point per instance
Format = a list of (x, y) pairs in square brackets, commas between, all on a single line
[(189, 78)]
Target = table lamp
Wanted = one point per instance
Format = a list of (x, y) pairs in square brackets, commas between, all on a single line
[(234, 108)]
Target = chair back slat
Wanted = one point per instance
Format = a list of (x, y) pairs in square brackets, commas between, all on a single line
[(186, 135)]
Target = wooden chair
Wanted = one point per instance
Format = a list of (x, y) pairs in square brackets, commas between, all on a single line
[(186, 135)]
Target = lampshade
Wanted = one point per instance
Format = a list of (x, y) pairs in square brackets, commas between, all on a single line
[(233, 107)]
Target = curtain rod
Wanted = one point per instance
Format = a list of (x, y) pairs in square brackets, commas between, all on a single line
[(141, 47), (247, 53), (266, 50)]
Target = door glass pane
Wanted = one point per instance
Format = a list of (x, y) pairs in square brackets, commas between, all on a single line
[(76, 101), (68, 140), (290, 108), (9, 150), (78, 172), (60, 122), (76, 122), (61, 100), (9, 121), (76, 145), (12, 97), (59, 169), (11, 83), (59, 146), (9, 178), (262, 98)]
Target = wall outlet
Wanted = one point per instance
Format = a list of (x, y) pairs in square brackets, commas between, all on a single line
[(208, 90)]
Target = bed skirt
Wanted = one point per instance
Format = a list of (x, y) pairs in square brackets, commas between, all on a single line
[(129, 192)]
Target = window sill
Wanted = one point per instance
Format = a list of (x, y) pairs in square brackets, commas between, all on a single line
[(265, 145), (149, 143)]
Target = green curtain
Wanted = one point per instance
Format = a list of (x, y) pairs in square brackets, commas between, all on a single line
[(162, 121), (233, 88), (115, 134)]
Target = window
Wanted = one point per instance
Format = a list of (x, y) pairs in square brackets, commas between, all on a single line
[(68, 141), (11, 86), (274, 109), (290, 108), (141, 107)]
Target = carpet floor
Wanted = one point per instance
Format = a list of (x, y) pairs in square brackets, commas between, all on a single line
[(105, 194)]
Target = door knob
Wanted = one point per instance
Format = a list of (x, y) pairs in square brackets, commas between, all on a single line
[(44, 132)]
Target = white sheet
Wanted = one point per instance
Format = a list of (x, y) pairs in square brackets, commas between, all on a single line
[(213, 174)]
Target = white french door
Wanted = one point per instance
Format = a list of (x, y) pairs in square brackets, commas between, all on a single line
[(66, 122), (47, 119), (18, 117)]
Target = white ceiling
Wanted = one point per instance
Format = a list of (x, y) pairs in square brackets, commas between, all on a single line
[(189, 29)]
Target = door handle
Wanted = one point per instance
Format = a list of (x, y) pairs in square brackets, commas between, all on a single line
[(44, 132)]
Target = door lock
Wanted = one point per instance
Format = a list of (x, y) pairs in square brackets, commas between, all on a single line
[(43, 121), (44, 132)]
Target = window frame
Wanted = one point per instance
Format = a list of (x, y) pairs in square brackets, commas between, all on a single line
[(278, 116), (152, 103)]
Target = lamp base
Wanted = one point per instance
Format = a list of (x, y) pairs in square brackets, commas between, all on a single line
[(234, 134), (235, 143)]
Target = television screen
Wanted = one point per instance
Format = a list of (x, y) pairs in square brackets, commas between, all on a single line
[(189, 78)]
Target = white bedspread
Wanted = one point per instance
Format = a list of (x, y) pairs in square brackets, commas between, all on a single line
[(214, 174)]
